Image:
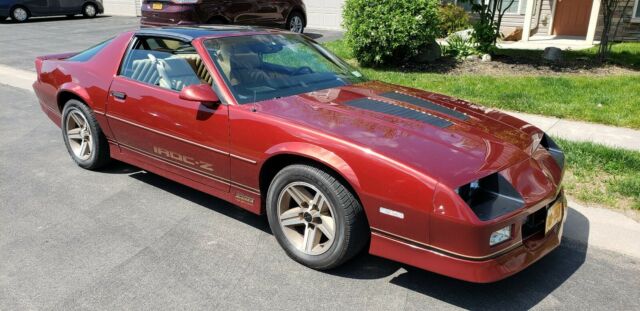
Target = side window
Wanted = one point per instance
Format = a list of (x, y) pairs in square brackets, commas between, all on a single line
[(167, 63)]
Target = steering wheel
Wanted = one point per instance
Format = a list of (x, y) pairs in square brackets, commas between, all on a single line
[(302, 70)]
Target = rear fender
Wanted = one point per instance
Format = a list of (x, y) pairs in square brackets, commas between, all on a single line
[(75, 89)]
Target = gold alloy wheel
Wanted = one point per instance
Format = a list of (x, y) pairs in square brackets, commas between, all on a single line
[(306, 218), (79, 135)]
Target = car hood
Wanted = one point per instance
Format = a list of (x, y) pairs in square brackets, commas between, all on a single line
[(464, 143)]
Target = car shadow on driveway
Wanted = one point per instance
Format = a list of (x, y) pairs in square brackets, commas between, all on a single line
[(203, 199), (521, 291)]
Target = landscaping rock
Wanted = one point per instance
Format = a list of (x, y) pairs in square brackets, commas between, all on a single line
[(486, 58), (552, 54), (473, 58), (463, 34), (429, 54)]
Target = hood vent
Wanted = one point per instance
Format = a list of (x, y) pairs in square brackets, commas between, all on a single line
[(398, 111), (425, 104)]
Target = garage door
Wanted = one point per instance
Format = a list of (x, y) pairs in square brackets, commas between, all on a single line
[(120, 7), (326, 14)]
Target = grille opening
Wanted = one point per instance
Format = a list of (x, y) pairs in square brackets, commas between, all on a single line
[(491, 197), (534, 224)]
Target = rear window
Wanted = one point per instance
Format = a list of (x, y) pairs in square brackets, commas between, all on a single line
[(89, 53)]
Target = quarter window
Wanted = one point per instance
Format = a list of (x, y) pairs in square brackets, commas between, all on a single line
[(163, 62), (89, 53)]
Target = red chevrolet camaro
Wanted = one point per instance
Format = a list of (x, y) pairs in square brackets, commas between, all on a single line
[(273, 122)]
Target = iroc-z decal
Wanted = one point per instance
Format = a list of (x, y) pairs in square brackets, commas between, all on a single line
[(183, 158)]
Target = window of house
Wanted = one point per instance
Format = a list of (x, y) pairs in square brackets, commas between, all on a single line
[(518, 6), (636, 10)]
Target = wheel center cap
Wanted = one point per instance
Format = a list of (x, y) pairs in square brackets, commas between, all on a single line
[(307, 217)]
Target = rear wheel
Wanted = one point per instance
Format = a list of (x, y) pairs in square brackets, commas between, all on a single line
[(314, 217), (89, 10), (19, 14), (296, 22), (217, 21), (83, 136)]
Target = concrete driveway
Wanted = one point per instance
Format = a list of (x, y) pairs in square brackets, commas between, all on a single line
[(123, 238)]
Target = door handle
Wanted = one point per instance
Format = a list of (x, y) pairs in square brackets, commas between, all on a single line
[(118, 95)]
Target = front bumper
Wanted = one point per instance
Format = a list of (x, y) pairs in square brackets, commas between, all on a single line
[(478, 270)]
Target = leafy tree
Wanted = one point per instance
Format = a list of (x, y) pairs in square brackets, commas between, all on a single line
[(486, 30), (609, 8)]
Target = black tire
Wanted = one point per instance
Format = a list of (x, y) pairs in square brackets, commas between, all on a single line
[(351, 228), (296, 17), (89, 10), (17, 14), (99, 156), (217, 21)]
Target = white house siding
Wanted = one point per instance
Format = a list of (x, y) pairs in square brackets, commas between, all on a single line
[(324, 14), (121, 7)]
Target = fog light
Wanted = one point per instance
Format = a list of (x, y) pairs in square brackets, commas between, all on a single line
[(500, 236)]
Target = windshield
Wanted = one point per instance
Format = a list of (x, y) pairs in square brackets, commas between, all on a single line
[(262, 67)]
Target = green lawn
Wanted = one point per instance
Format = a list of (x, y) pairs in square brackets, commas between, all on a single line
[(598, 174), (622, 54), (613, 100)]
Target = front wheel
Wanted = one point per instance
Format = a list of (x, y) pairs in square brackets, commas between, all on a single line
[(89, 10), (83, 136), (315, 218), (296, 22)]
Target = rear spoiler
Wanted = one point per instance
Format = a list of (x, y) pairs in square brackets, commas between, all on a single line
[(56, 56)]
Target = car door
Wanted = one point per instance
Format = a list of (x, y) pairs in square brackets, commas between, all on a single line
[(69, 6), (151, 123), (40, 7), (242, 12), (268, 12)]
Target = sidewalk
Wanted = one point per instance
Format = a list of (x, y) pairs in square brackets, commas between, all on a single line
[(602, 228), (584, 131)]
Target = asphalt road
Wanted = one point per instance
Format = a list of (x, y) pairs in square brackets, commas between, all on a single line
[(126, 239), (21, 43)]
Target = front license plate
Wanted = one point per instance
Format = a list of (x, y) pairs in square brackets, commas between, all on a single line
[(156, 6), (554, 215)]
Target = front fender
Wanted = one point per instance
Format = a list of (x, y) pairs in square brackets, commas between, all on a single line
[(319, 154)]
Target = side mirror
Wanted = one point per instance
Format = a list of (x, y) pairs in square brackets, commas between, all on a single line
[(202, 93)]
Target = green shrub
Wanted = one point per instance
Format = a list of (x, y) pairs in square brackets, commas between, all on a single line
[(458, 47), (453, 18), (389, 31)]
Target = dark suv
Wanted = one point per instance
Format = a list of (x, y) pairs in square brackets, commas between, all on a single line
[(289, 14)]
